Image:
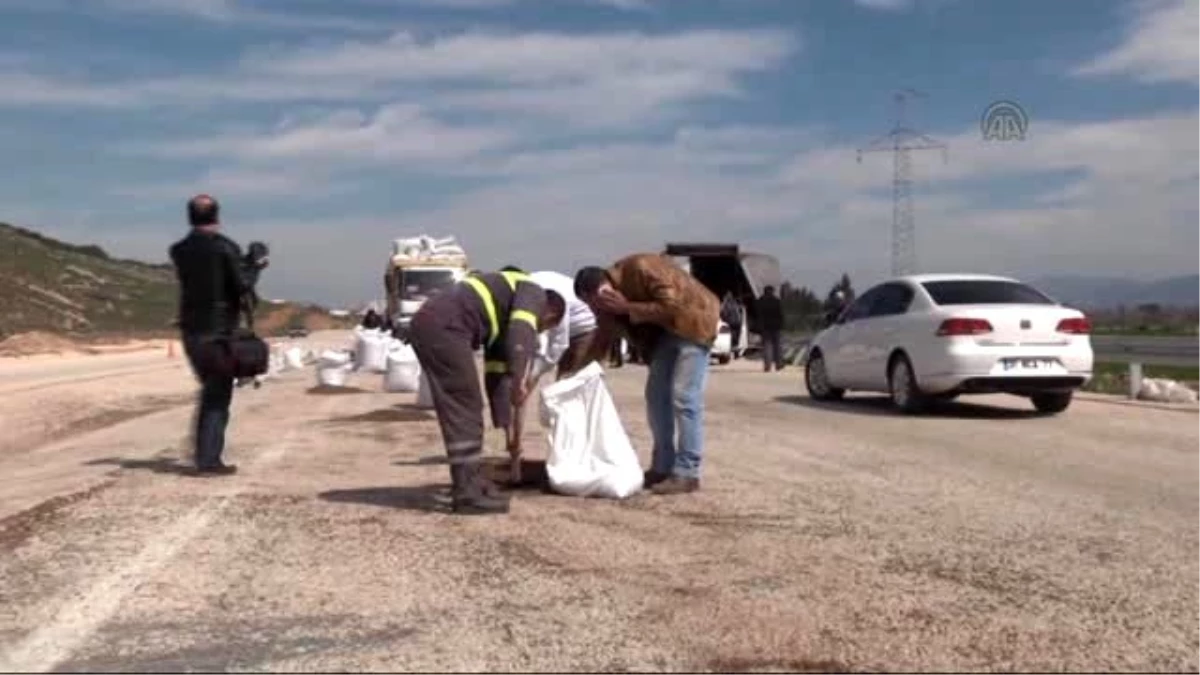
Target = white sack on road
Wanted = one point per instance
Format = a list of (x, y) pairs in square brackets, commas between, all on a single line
[(403, 370), (590, 453), (370, 351), (294, 358), (1167, 391)]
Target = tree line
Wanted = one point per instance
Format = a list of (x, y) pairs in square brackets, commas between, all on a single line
[(804, 310)]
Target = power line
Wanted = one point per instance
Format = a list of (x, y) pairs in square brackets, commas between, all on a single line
[(901, 141)]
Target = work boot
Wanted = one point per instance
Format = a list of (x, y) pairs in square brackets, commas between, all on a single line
[(469, 495), (652, 478), (677, 485)]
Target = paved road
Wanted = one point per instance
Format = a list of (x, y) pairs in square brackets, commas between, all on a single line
[(826, 538)]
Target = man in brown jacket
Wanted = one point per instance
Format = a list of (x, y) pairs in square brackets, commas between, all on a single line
[(672, 319)]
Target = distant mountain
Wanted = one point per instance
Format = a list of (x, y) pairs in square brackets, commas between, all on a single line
[(1109, 292), (58, 287)]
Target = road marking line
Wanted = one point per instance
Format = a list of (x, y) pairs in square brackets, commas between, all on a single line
[(77, 620)]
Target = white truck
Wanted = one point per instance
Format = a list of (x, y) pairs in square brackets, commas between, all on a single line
[(419, 268)]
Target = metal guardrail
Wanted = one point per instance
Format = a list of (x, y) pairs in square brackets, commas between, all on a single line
[(1175, 350)]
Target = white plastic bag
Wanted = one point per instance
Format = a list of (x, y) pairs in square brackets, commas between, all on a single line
[(590, 453), (403, 370), (424, 396)]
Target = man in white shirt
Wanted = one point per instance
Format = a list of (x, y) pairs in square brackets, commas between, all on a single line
[(567, 348)]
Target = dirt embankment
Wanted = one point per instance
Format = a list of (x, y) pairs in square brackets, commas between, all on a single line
[(41, 343)]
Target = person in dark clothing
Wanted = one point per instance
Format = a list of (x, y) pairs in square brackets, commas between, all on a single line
[(255, 261), (213, 287), (770, 324), (371, 320), (731, 314), (503, 312)]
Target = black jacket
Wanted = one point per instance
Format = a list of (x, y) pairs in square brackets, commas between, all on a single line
[(770, 314), (212, 282)]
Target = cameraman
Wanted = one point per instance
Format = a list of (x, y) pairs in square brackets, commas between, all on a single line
[(214, 283)]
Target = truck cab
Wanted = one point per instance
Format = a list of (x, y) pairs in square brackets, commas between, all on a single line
[(420, 268)]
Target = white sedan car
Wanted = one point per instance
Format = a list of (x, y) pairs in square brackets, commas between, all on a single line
[(927, 337)]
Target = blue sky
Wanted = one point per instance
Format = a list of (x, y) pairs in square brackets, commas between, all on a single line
[(555, 133)]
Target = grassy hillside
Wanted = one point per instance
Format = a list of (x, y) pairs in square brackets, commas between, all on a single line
[(56, 287)]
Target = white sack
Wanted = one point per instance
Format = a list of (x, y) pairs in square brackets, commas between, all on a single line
[(403, 370), (370, 351), (1152, 390), (332, 359), (424, 396), (332, 376), (294, 358), (590, 453), (1177, 392)]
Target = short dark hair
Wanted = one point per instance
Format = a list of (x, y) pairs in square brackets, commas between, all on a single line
[(512, 268), (768, 289), (556, 303), (589, 279), (203, 210)]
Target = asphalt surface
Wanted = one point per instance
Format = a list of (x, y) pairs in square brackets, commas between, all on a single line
[(826, 537)]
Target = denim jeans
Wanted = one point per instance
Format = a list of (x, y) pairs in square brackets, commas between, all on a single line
[(212, 416), (675, 396)]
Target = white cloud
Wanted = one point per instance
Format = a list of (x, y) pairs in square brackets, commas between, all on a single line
[(242, 13), (1161, 45), (393, 134), (607, 79)]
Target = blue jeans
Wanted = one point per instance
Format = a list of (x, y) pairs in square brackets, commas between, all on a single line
[(675, 395), (212, 418)]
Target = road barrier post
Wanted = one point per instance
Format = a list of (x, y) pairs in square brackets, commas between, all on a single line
[(1135, 379)]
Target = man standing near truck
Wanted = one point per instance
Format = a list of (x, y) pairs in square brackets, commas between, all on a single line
[(672, 318), (770, 325), (502, 312)]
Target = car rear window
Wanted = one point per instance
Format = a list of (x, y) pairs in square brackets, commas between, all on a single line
[(984, 292)]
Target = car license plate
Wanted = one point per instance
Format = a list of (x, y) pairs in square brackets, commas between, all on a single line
[(1027, 364)]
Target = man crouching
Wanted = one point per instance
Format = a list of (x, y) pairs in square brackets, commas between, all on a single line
[(503, 312)]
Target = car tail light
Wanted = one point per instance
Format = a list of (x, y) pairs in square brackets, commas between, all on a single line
[(1075, 326), (952, 327)]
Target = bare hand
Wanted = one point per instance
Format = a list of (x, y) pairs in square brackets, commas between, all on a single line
[(520, 391), (612, 301)]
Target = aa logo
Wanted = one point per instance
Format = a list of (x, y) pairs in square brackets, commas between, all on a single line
[(1004, 121)]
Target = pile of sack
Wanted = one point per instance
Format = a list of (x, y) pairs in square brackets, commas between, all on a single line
[(1163, 390), (377, 352), (424, 247)]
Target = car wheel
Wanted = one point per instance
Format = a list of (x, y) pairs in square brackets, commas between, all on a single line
[(906, 395), (816, 379), (1052, 402)]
